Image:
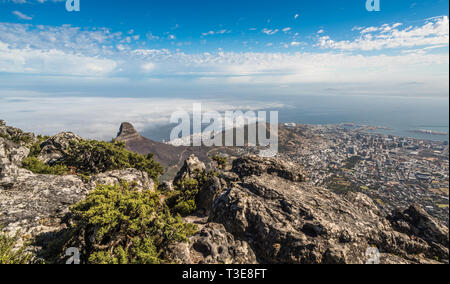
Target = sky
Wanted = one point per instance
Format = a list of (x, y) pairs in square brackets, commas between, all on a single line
[(138, 60)]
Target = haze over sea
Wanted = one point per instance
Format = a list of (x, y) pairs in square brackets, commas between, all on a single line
[(401, 115)]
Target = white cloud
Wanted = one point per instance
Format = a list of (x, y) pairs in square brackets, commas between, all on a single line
[(434, 32), (270, 31), (104, 115), (70, 51), (21, 15), (219, 32), (147, 67), (27, 60)]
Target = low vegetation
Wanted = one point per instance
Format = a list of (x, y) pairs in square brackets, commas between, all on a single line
[(38, 167), (184, 199), (89, 157), (18, 138), (120, 225), (93, 157), (9, 253), (221, 161)]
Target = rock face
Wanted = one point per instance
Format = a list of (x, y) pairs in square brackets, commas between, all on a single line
[(212, 245), (415, 221), (133, 177), (15, 134), (11, 154), (127, 132), (288, 221), (255, 166), (35, 204), (191, 165)]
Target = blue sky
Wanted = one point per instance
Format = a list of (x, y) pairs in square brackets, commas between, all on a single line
[(253, 53), (237, 25)]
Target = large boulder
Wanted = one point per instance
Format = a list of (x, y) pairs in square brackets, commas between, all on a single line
[(256, 166), (288, 221), (57, 147), (136, 179)]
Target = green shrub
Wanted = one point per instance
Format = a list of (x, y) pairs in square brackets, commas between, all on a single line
[(184, 199), (93, 157), (35, 149), (19, 138), (221, 161), (38, 167), (118, 225), (10, 255), (90, 157)]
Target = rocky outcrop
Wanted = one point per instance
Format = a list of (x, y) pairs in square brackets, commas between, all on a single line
[(255, 166), (36, 204), (135, 178), (165, 154), (191, 165), (415, 221), (288, 221), (11, 155), (212, 245), (15, 134), (127, 132), (57, 147)]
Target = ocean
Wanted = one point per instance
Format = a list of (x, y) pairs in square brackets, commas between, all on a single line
[(402, 116)]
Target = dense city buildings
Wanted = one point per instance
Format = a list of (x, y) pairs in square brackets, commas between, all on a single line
[(396, 172)]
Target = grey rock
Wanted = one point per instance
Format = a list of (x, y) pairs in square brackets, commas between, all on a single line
[(415, 221), (127, 132), (208, 193), (255, 165), (287, 221), (16, 135), (212, 245), (57, 147), (136, 179), (11, 156), (36, 204), (166, 186)]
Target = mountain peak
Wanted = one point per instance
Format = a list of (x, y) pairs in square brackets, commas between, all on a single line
[(127, 132)]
